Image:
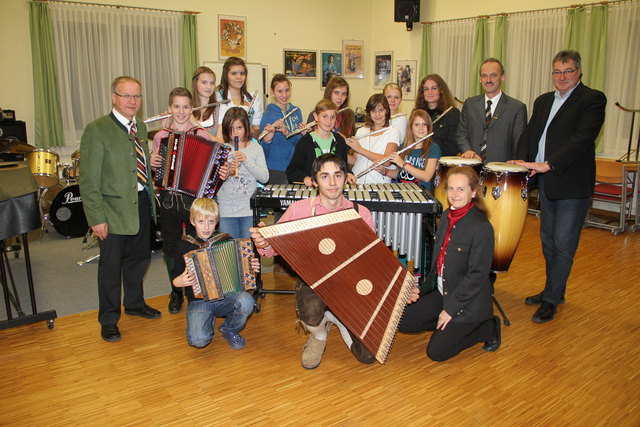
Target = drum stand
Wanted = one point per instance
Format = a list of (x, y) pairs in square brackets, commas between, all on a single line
[(492, 280), (91, 245)]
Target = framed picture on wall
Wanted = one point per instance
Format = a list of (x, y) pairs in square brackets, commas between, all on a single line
[(382, 64), (232, 36), (300, 64), (406, 74), (331, 65), (353, 59)]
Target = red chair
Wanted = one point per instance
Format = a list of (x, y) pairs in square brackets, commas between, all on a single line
[(615, 183)]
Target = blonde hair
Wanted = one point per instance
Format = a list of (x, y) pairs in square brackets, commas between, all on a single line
[(204, 207)]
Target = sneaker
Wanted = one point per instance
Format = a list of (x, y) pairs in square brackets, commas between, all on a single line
[(234, 340), (312, 353)]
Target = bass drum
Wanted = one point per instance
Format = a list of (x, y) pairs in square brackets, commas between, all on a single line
[(63, 207)]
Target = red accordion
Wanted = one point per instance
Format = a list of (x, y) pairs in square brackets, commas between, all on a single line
[(190, 165)]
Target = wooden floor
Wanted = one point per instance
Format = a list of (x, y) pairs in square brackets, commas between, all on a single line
[(581, 369)]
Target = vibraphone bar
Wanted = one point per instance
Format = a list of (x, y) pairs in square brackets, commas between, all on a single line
[(403, 214)]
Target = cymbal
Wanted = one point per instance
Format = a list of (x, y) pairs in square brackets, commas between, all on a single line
[(15, 146)]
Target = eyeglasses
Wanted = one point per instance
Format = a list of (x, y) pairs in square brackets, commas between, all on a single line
[(558, 73), (129, 97)]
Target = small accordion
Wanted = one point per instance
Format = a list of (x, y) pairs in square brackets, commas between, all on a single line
[(190, 165), (221, 269)]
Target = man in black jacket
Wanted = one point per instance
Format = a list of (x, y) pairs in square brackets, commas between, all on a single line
[(558, 146)]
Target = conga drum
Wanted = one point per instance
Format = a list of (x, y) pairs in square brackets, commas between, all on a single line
[(44, 166), (505, 194), (443, 166)]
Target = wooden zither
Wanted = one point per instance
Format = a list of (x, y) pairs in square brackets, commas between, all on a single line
[(190, 165), (222, 269), (351, 269)]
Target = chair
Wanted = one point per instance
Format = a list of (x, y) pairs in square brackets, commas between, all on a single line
[(615, 183)]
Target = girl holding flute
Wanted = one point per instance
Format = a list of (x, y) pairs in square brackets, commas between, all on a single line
[(417, 165), (375, 140), (174, 208), (203, 87), (277, 144), (245, 170), (233, 86), (393, 93), (435, 99), (337, 91)]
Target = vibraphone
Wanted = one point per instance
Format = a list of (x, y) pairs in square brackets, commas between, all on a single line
[(403, 215)]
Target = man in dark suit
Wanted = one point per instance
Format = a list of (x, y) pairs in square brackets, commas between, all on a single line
[(116, 196), (558, 146), (491, 124)]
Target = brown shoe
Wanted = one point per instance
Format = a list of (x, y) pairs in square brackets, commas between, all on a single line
[(312, 353)]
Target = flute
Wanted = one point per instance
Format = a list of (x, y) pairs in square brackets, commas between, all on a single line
[(386, 159), (310, 125), (253, 99), (165, 116), (266, 132), (374, 132)]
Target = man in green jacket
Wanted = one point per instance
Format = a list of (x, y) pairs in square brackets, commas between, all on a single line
[(116, 191)]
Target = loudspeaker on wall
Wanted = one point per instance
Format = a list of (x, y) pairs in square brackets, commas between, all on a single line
[(407, 11)]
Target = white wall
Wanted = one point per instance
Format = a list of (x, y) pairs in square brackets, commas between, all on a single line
[(272, 26)]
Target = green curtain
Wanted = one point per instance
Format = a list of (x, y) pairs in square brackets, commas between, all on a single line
[(574, 32), (500, 42), (425, 57), (189, 47), (596, 53), (48, 113), (479, 54), (595, 58)]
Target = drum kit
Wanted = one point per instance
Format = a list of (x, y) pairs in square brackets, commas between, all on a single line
[(59, 198), (505, 195)]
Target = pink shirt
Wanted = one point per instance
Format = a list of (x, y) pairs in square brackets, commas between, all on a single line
[(165, 133), (304, 209)]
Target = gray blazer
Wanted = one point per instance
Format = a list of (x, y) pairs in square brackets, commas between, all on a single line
[(507, 124)]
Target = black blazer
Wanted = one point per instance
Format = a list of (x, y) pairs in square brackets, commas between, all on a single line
[(570, 141), (467, 262)]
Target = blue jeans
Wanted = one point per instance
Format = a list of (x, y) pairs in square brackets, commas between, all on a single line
[(238, 226), (560, 227), (201, 317)]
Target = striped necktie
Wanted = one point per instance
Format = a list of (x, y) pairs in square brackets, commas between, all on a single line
[(487, 122), (141, 164)]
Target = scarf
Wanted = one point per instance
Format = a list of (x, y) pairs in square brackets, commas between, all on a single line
[(453, 216)]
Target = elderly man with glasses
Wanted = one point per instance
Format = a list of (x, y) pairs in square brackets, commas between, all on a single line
[(116, 193), (558, 147)]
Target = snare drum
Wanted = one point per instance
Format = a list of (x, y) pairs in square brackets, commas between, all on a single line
[(443, 166), (44, 166), (505, 194), (63, 207)]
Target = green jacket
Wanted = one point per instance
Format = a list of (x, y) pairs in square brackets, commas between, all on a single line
[(108, 182)]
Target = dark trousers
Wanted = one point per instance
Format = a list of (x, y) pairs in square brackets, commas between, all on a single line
[(311, 308), (123, 263), (561, 223), (422, 316), (174, 210)]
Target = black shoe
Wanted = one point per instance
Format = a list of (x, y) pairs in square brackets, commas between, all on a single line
[(494, 343), (144, 311), (544, 313), (110, 333), (537, 299), (175, 302)]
